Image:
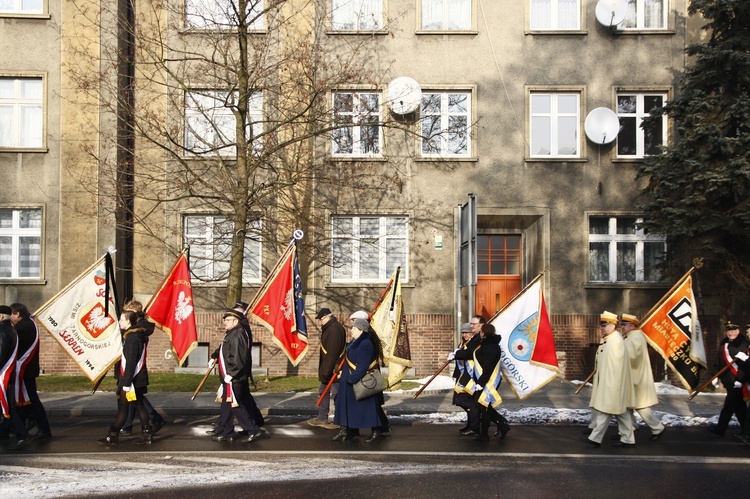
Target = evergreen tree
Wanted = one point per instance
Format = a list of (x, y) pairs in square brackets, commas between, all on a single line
[(699, 188)]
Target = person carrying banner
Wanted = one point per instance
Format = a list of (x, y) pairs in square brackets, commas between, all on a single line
[(462, 374), (377, 345), (157, 420), (332, 345), (743, 364), (131, 373), (352, 414), (27, 370), (732, 352), (641, 374), (234, 393), (612, 393), (10, 420)]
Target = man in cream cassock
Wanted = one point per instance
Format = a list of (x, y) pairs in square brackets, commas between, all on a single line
[(641, 374), (612, 393)]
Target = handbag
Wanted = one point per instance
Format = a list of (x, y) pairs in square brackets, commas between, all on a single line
[(370, 384)]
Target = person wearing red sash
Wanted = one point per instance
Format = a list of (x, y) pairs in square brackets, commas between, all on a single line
[(10, 420), (732, 349)]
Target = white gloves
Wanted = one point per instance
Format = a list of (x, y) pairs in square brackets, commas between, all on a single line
[(211, 363), (715, 382), (742, 356), (478, 388), (227, 378), (451, 356), (126, 388), (737, 384)]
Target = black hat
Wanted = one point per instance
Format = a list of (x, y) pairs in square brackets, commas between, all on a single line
[(323, 312), (731, 325), (5, 309), (230, 312), (241, 304)]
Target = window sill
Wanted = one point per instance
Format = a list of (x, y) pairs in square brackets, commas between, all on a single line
[(11, 150), (360, 285), (625, 285), (333, 32), (446, 159), (375, 159), (21, 15), (469, 32), (627, 160), (644, 32), (207, 31), (29, 282), (221, 284), (562, 161), (556, 32)]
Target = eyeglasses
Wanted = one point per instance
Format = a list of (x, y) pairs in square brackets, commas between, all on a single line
[(475, 323)]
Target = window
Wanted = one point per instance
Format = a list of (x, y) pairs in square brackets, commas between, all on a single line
[(356, 15), (645, 14), (444, 120), (221, 14), (555, 15), (446, 15), (621, 251), (210, 240), (21, 6), (357, 124), (633, 141), (21, 112), (368, 248), (210, 125), (555, 125), (20, 243)]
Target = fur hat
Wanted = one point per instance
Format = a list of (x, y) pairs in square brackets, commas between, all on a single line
[(361, 324)]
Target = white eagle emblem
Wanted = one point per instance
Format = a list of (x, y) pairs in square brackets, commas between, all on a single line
[(184, 309), (288, 306)]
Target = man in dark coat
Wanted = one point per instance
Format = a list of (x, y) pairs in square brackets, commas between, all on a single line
[(11, 420), (27, 370), (235, 397), (332, 344)]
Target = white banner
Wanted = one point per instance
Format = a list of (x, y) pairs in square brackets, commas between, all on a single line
[(75, 318)]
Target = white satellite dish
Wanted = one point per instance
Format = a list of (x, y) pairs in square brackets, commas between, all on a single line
[(404, 95), (610, 13), (602, 125)]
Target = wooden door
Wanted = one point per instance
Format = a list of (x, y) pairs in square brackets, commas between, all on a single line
[(498, 272)]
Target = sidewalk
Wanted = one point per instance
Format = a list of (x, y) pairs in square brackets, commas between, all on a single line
[(558, 394)]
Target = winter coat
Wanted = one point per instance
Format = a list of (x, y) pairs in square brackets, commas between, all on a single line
[(612, 392), (131, 369), (739, 344), (640, 369), (28, 348), (332, 344), (235, 354), (350, 412)]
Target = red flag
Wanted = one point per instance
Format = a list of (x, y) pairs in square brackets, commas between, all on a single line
[(172, 310), (279, 307)]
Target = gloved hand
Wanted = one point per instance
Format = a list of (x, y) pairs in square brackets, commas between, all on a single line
[(451, 356), (715, 382), (737, 384), (742, 356), (129, 393), (126, 388), (227, 378), (211, 363), (478, 388)]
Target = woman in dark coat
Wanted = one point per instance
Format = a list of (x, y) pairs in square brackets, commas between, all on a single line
[(132, 378), (487, 380), (352, 414), (732, 346)]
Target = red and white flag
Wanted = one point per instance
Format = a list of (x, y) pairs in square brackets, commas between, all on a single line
[(84, 325), (279, 306), (529, 357), (173, 311)]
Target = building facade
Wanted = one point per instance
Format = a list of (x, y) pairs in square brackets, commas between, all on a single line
[(506, 89)]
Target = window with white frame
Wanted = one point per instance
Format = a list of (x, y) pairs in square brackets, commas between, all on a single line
[(554, 125), (22, 6), (356, 117), (621, 251), (445, 121), (368, 248), (356, 15), (645, 14), (555, 15), (222, 14), (21, 112), (445, 15), (210, 240), (20, 243), (210, 124), (633, 141)]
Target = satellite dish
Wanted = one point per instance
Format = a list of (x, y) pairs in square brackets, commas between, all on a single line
[(404, 95), (610, 13), (602, 125)]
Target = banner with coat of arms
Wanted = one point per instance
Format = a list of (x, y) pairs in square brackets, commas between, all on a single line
[(82, 318)]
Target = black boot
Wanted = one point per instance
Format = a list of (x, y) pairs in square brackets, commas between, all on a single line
[(112, 437), (375, 435), (342, 435), (147, 435)]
